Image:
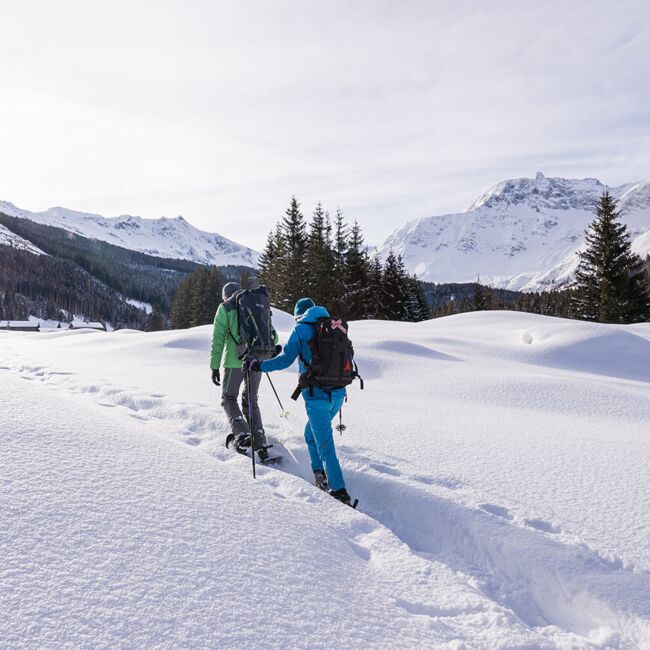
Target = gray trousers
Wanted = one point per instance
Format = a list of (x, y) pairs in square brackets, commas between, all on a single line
[(239, 423)]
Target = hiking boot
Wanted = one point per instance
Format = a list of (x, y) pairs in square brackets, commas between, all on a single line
[(320, 480), (342, 495), (241, 442)]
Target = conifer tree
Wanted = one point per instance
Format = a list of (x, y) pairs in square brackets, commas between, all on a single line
[(270, 262), (155, 320), (319, 269), (417, 308), (355, 276), (375, 298), (291, 268), (479, 300), (393, 294), (609, 286)]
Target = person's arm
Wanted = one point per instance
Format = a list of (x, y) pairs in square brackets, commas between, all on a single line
[(218, 337), (286, 358)]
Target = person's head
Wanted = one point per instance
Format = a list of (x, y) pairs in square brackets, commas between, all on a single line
[(302, 306), (229, 289)]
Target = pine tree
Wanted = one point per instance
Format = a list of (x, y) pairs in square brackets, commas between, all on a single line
[(291, 268), (355, 276), (155, 320), (479, 300), (609, 286), (417, 308), (375, 297), (319, 261), (271, 262), (393, 289)]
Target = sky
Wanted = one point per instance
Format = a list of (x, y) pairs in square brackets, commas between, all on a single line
[(388, 110)]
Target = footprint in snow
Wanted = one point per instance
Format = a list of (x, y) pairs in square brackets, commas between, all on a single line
[(449, 483), (498, 511), (542, 525), (384, 469)]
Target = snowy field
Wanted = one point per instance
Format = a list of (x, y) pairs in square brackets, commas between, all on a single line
[(501, 460)]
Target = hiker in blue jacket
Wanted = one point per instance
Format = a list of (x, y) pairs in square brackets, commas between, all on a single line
[(321, 406)]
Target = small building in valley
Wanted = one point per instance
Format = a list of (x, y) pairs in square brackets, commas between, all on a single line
[(20, 325), (88, 325)]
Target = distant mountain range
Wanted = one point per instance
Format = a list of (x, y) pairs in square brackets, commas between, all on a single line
[(522, 234), (54, 273), (168, 238)]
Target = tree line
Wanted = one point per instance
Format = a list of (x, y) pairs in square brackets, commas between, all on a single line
[(326, 259), (56, 289)]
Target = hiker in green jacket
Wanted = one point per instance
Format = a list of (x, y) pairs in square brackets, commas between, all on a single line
[(226, 336)]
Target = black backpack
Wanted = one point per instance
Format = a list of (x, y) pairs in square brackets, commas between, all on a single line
[(332, 357), (255, 329)]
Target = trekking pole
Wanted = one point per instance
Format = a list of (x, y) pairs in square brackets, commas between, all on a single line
[(284, 413), (340, 427), (250, 418)]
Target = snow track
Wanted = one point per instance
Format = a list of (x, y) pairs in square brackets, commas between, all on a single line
[(521, 569)]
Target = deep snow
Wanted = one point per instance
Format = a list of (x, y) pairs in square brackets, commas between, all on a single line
[(501, 461)]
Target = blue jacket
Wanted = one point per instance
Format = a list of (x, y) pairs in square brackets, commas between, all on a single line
[(298, 343)]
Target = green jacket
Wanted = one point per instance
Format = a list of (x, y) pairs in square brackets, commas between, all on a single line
[(226, 335)]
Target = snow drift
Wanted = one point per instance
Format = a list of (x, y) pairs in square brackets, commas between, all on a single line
[(500, 460)]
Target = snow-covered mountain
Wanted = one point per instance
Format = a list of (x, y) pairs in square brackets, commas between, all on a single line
[(521, 234), (173, 238), (8, 238)]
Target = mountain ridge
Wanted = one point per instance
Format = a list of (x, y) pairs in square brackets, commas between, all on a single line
[(173, 238), (521, 234)]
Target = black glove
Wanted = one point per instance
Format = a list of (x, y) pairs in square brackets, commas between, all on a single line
[(251, 364), (278, 349), (216, 377)]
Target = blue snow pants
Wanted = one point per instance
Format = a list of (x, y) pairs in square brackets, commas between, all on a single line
[(318, 433)]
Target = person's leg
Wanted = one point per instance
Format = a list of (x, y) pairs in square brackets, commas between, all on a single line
[(256, 425), (232, 379), (314, 456), (319, 412)]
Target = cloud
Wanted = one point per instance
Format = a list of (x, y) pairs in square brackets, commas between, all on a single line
[(222, 111)]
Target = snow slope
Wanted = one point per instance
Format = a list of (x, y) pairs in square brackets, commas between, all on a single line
[(172, 238), (501, 462), (8, 238), (521, 234)]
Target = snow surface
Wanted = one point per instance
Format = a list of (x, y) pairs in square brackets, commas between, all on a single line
[(171, 238), (522, 234), (8, 238), (501, 461)]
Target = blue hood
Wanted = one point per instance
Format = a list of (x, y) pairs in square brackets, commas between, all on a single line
[(313, 314)]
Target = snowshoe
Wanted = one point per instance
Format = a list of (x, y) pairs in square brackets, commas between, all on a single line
[(320, 480), (265, 458), (241, 442), (343, 496)]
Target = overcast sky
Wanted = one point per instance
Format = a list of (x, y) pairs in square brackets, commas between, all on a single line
[(220, 111)]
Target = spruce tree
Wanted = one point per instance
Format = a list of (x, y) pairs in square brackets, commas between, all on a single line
[(291, 268), (155, 320), (355, 276), (609, 285), (319, 269), (375, 297), (393, 289), (271, 262), (417, 308), (479, 299)]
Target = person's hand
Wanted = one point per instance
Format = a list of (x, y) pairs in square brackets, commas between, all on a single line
[(216, 377), (278, 350), (249, 363)]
